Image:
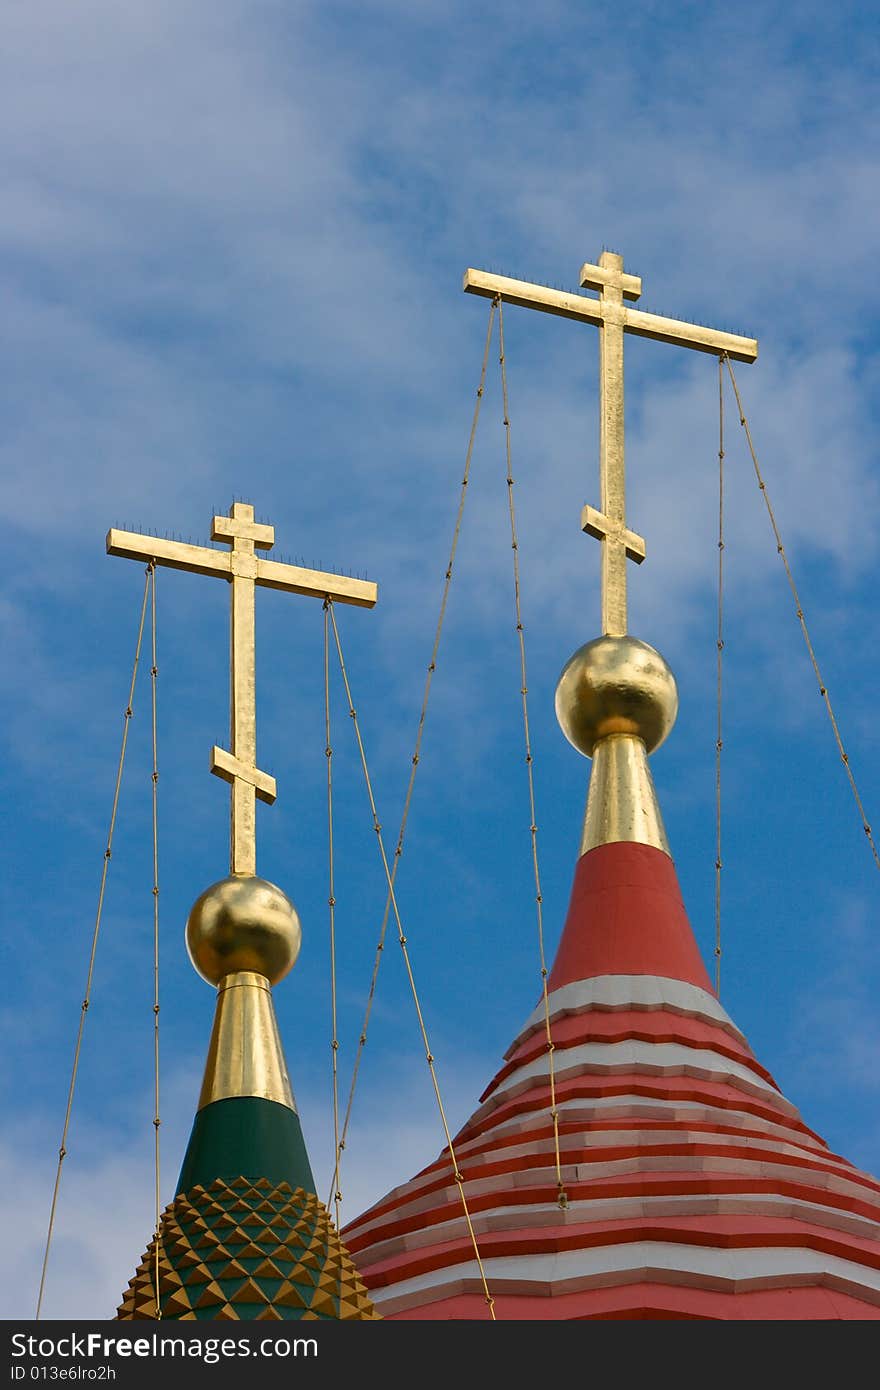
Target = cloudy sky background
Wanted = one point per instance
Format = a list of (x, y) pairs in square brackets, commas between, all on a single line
[(231, 250)]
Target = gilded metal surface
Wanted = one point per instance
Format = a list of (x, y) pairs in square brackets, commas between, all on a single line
[(243, 923), (613, 319), (242, 692), (587, 310), (270, 574), (616, 685), (243, 569), (602, 527), (227, 767), (612, 483), (245, 1057), (622, 803), (237, 526)]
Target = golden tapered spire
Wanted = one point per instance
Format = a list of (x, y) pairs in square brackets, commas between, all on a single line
[(616, 701), (243, 935)]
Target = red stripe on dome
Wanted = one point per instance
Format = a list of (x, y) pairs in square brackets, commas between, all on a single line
[(681, 1136), (380, 1223), (648, 1301), (536, 1103), (648, 1159), (683, 1089), (640, 1025), (626, 917), (750, 1232), (700, 1129), (639, 1184)]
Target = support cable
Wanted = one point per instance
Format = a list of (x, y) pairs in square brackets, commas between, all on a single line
[(823, 689), (62, 1151), (432, 666), (719, 645), (331, 900), (457, 1175), (562, 1197), (157, 1118)]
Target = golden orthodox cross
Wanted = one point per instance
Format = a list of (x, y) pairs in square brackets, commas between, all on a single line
[(613, 319), (243, 569)]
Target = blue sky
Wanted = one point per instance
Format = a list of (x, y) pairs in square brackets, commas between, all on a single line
[(231, 252)]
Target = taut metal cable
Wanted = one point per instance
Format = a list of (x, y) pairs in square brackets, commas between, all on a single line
[(157, 1119), (432, 666), (457, 1175), (719, 645), (62, 1151), (331, 900), (562, 1197), (823, 689)]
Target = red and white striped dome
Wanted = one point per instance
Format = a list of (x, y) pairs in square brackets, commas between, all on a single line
[(694, 1189)]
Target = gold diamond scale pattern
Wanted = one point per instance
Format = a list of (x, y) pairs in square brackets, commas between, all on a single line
[(247, 1250)]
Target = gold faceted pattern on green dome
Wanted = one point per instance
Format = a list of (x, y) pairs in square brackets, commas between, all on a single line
[(247, 1250)]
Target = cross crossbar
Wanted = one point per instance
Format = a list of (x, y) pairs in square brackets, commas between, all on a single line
[(271, 574), (243, 570), (589, 310), (613, 318)]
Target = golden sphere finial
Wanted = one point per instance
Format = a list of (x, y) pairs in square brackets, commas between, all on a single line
[(616, 685), (243, 923)]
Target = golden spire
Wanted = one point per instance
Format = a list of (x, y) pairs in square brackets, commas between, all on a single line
[(243, 935), (616, 699)]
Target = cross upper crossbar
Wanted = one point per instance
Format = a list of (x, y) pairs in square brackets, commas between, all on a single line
[(243, 569), (613, 318), (202, 559), (588, 310)]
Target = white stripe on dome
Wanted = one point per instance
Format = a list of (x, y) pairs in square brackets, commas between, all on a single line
[(629, 1106), (631, 1054), (563, 1271), (539, 1215), (416, 1201), (629, 992), (593, 1108), (485, 1146)]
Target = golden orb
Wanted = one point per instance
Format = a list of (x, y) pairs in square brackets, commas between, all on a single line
[(616, 685), (243, 923)]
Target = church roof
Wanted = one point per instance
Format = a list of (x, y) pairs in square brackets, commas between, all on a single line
[(246, 1249), (692, 1187)]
